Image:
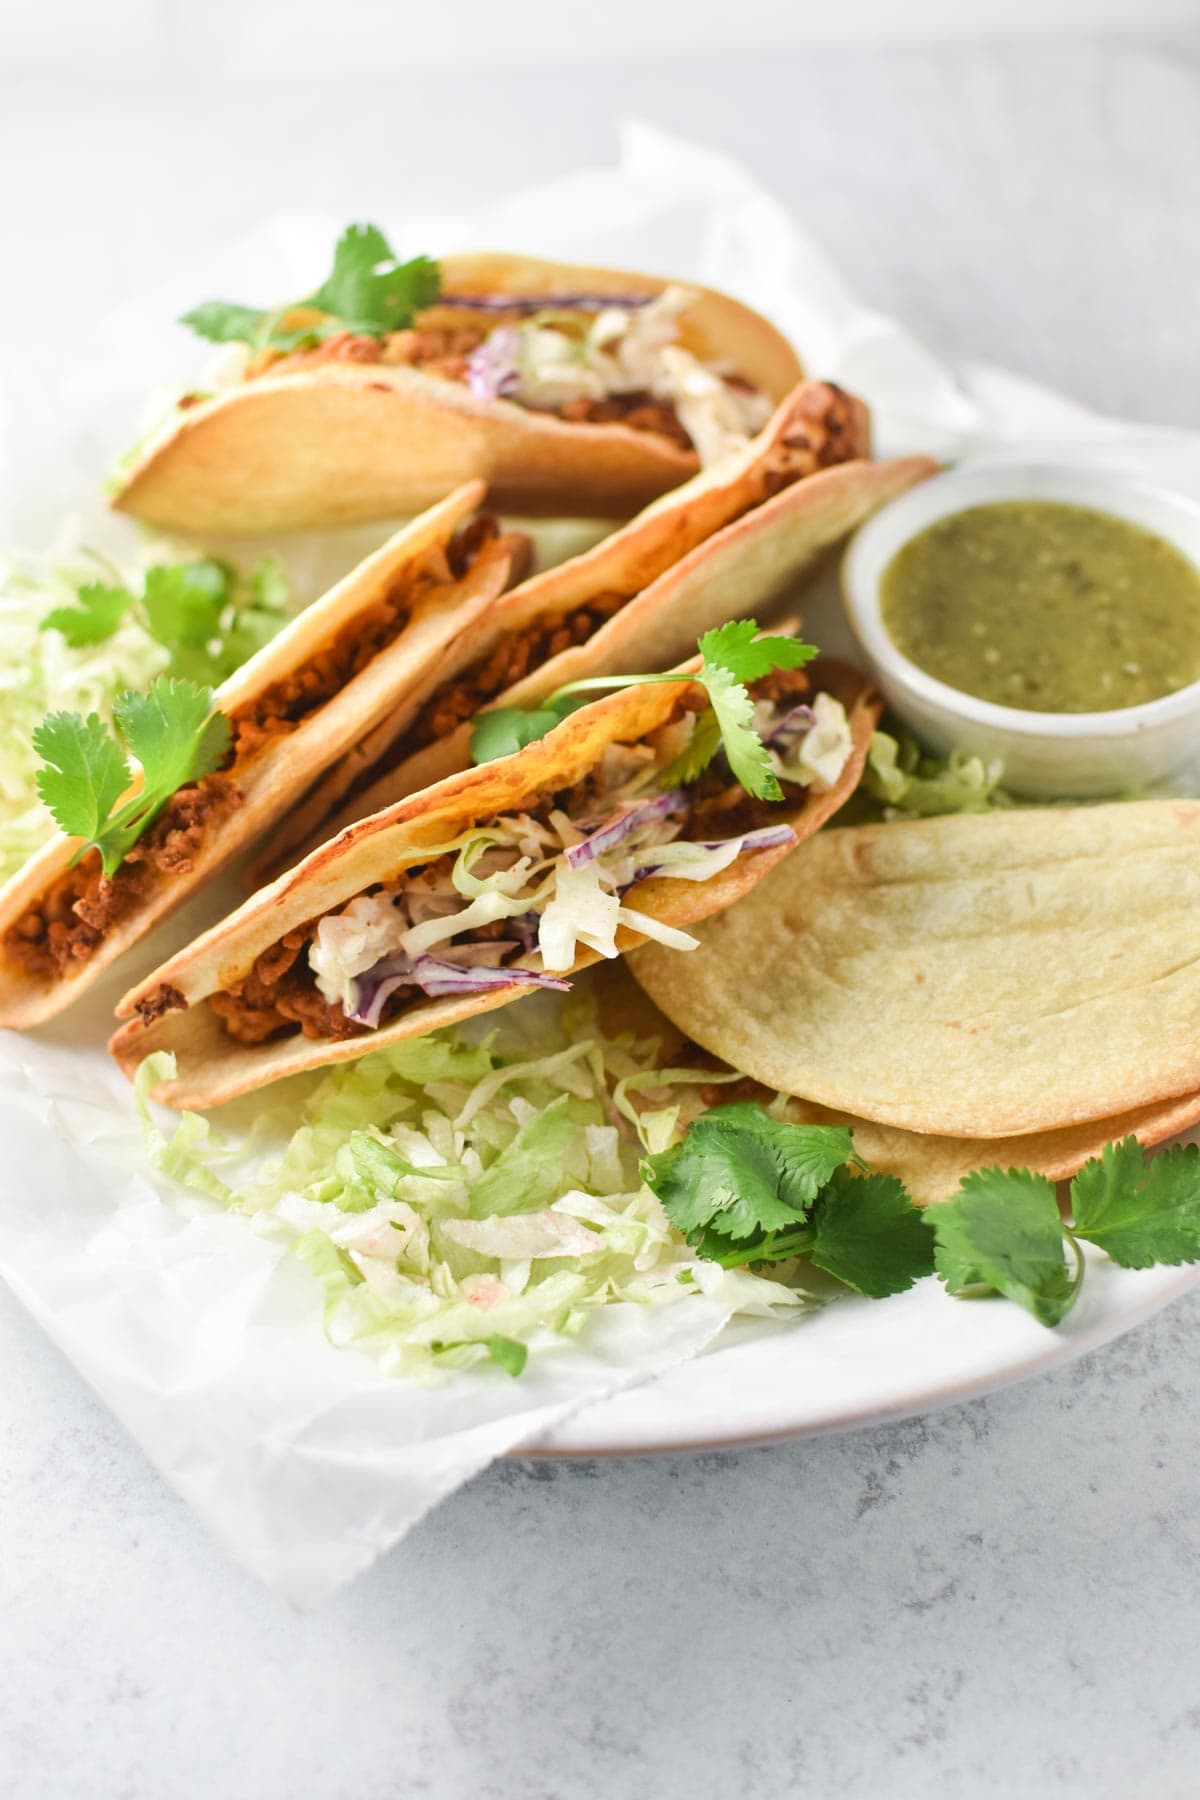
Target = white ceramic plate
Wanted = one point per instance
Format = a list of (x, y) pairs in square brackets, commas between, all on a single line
[(859, 1362)]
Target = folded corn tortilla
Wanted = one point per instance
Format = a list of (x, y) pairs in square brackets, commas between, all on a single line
[(189, 1005), (321, 439), (296, 706), (984, 976), (930, 1166)]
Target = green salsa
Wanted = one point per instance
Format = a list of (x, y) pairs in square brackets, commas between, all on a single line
[(1048, 607)]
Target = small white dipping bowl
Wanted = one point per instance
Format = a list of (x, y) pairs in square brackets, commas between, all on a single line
[(1046, 755)]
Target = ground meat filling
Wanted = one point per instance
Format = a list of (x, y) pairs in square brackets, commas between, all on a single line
[(279, 996), (506, 663), (66, 924)]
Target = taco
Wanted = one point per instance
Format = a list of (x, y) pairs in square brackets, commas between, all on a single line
[(568, 390), (294, 707), (501, 879), (744, 535)]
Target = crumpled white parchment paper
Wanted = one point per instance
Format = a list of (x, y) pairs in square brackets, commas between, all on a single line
[(204, 1338)]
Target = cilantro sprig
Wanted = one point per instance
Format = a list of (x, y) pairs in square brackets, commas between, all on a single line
[(208, 617), (1002, 1232), (733, 655), (367, 291), (744, 1187), (171, 731)]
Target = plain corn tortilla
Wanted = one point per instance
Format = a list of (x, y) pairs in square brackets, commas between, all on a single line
[(983, 976), (930, 1166)]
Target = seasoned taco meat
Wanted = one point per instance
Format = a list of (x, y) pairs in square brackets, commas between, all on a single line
[(508, 662)]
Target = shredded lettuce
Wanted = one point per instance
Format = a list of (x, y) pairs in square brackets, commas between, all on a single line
[(912, 784), (467, 1196)]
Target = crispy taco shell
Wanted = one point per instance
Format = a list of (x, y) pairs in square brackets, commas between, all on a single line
[(166, 1011), (338, 443), (435, 605), (759, 551), (990, 976)]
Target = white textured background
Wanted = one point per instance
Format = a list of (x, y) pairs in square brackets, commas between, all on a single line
[(1001, 1600)]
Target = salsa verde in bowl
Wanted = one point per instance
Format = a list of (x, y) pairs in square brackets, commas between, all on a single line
[(1042, 614)]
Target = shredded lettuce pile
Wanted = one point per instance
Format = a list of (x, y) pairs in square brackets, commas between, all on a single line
[(911, 784), (469, 1195)]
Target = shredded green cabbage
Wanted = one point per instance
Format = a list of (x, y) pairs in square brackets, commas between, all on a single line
[(911, 784), (462, 1195)]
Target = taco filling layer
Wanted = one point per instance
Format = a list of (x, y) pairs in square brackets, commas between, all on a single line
[(71, 918), (584, 358), (551, 880)]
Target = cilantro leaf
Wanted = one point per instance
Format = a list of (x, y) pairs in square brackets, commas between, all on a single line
[(174, 733), (209, 618), (84, 772), (869, 1234), (747, 755), (737, 647), (225, 322), (98, 611), (739, 1171), (506, 729), (175, 736), (184, 601), (1141, 1210), (696, 754), (368, 290), (1002, 1229), (269, 585)]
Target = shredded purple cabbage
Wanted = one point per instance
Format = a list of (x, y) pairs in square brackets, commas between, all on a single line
[(492, 367), (766, 838), (791, 724), (623, 823), (526, 304), (436, 979)]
